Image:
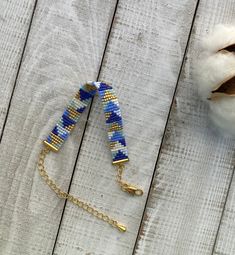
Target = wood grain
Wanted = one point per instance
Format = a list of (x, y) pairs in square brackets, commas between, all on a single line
[(142, 62), (15, 17), (64, 49), (195, 165)]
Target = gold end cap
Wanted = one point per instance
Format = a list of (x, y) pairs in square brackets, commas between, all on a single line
[(50, 146), (121, 227), (120, 161)]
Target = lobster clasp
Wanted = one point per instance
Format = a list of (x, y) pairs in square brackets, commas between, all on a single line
[(133, 190)]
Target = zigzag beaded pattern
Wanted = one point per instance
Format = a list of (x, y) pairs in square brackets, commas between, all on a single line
[(75, 108)]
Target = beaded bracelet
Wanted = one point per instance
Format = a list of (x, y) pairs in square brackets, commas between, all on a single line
[(117, 142)]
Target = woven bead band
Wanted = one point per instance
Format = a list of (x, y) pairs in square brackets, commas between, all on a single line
[(75, 108)]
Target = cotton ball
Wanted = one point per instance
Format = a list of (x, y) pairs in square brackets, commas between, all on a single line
[(214, 73), (222, 37), (211, 71)]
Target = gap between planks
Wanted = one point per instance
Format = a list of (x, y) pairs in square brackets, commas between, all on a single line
[(18, 70), (164, 132), (87, 118), (162, 141), (222, 213)]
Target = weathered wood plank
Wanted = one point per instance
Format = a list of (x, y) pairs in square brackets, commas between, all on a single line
[(224, 244), (142, 62), (64, 49), (195, 165), (15, 18)]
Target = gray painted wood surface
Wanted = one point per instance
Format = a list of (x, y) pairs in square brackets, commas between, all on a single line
[(145, 50)]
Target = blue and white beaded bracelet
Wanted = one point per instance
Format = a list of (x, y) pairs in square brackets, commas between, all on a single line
[(116, 138), (112, 113)]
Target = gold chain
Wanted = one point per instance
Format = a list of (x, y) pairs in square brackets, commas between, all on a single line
[(63, 194)]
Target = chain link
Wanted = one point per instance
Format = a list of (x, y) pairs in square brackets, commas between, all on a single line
[(62, 194)]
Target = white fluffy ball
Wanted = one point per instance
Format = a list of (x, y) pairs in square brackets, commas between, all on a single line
[(222, 36), (215, 66)]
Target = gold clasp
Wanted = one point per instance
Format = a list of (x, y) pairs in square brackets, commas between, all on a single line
[(133, 190)]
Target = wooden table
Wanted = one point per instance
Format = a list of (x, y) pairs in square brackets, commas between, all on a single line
[(145, 49)]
